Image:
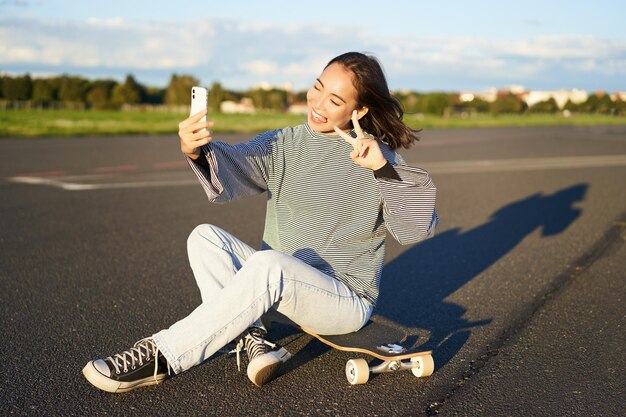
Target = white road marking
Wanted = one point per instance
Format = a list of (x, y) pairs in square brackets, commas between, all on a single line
[(184, 177), (523, 164), (77, 186)]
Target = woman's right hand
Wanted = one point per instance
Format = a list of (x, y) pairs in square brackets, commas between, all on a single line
[(193, 134)]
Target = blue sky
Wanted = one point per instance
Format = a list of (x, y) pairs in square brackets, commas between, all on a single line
[(424, 46)]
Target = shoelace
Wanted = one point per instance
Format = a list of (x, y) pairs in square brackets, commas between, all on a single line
[(144, 348), (254, 344)]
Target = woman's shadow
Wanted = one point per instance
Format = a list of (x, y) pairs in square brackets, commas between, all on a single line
[(416, 284)]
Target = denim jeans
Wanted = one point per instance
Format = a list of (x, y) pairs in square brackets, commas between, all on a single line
[(239, 285)]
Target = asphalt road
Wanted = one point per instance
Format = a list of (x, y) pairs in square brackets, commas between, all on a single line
[(527, 262)]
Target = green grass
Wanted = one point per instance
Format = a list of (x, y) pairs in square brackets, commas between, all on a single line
[(489, 120), (34, 123), (38, 123)]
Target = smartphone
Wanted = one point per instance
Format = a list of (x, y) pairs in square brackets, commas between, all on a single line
[(199, 97)]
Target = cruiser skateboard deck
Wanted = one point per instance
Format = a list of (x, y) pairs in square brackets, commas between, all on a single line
[(383, 342)]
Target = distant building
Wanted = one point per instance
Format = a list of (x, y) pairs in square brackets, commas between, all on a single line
[(530, 97), (561, 97), (619, 95), (298, 108), (488, 95), (245, 105), (264, 85)]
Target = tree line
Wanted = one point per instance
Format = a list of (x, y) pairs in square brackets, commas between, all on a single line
[(443, 103), (110, 94)]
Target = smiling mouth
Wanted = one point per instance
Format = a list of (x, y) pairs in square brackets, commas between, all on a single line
[(318, 118)]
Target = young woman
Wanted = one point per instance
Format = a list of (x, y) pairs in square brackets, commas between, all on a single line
[(335, 186)]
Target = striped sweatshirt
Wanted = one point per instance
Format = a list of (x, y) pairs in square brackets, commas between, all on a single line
[(323, 208)]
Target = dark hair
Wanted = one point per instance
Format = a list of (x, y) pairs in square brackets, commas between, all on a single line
[(384, 118)]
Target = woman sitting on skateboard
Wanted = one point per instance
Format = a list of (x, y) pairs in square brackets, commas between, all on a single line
[(335, 185)]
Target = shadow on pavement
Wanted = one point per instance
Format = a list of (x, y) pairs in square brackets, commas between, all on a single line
[(415, 285)]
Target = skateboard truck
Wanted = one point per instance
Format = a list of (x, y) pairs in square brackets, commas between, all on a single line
[(358, 370), (392, 348)]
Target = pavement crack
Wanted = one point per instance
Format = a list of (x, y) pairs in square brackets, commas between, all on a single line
[(612, 239)]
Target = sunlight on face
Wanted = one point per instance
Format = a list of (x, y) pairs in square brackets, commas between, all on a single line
[(331, 100)]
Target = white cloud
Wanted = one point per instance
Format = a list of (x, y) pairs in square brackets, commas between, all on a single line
[(114, 22), (563, 47), (242, 54), (97, 43), (19, 53), (574, 60), (259, 67)]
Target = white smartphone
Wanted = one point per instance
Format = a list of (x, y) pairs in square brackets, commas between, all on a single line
[(199, 97)]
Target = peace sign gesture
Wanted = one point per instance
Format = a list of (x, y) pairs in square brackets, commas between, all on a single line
[(366, 151)]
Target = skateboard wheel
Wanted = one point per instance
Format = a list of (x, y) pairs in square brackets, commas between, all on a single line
[(426, 366), (357, 371)]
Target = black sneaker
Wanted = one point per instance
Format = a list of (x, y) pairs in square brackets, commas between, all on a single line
[(265, 357), (139, 366)]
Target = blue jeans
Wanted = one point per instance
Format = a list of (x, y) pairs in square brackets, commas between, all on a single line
[(239, 285)]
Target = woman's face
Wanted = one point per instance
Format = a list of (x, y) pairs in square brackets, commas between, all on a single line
[(331, 100)]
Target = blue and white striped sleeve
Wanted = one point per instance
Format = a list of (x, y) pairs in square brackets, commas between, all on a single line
[(409, 204), (236, 171)]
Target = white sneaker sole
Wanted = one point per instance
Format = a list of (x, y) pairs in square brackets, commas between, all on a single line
[(98, 380), (264, 368)]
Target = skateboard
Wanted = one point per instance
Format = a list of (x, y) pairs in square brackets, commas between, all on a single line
[(384, 342)]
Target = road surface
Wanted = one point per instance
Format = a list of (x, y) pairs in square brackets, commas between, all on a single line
[(522, 271)]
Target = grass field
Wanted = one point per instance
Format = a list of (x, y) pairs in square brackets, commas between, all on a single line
[(41, 123), (33, 123)]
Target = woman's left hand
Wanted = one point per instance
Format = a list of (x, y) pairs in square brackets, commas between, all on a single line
[(366, 151)]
